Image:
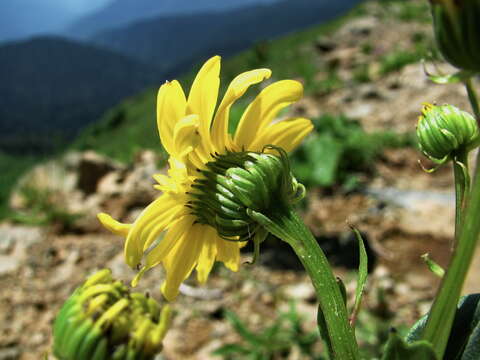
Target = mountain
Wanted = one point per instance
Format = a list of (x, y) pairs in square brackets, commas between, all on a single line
[(177, 42), (124, 12), (51, 87)]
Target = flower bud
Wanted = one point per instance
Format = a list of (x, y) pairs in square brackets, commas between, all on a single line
[(238, 181), (102, 320), (457, 31), (444, 130)]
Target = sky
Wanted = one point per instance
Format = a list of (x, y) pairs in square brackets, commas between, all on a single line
[(81, 6)]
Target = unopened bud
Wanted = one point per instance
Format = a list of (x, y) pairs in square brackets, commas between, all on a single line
[(444, 130), (457, 32), (102, 320)]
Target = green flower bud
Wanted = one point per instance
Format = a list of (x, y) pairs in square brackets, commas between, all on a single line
[(238, 181), (443, 131), (457, 31), (102, 320)]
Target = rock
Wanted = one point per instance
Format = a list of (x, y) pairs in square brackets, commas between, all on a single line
[(91, 168), (10, 353), (325, 45), (19, 240), (300, 291)]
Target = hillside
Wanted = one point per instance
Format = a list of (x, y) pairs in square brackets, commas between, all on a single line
[(51, 87), (120, 13), (176, 42)]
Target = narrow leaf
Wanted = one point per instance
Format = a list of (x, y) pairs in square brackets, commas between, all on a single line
[(362, 275), (433, 266)]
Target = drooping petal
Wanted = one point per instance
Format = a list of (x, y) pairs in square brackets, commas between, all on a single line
[(235, 90), (113, 225), (172, 236), (186, 136), (208, 252), (286, 134), (264, 109), (228, 252), (202, 98), (171, 107), (155, 217), (181, 260)]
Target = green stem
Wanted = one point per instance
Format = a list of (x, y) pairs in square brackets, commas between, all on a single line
[(286, 225), (472, 96), (439, 323), (460, 171)]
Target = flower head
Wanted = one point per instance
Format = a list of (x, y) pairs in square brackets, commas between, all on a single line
[(103, 320), (443, 130), (456, 31), (195, 135)]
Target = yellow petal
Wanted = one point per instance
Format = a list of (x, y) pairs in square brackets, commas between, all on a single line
[(172, 236), (203, 95), (235, 90), (229, 253), (181, 260), (186, 136), (264, 109), (207, 255), (171, 107), (113, 225), (154, 217), (286, 134)]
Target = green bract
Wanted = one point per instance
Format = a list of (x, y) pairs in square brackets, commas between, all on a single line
[(239, 181), (102, 320), (444, 130), (457, 31)]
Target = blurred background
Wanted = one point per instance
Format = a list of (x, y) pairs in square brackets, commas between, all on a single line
[(78, 84)]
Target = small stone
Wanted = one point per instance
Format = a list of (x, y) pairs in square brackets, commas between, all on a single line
[(301, 291)]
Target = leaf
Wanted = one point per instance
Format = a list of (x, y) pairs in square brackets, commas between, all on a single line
[(472, 350), (433, 266), (464, 334), (324, 153), (229, 349), (450, 78), (241, 329), (398, 349), (362, 275)]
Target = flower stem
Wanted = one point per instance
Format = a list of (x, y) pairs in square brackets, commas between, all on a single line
[(286, 225), (462, 187), (472, 96), (439, 323)]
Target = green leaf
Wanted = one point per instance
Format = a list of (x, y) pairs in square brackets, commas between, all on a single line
[(398, 349), (230, 349), (241, 329), (324, 153), (362, 274), (433, 266), (472, 350), (450, 78), (465, 334)]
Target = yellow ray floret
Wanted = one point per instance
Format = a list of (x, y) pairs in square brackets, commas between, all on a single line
[(191, 131)]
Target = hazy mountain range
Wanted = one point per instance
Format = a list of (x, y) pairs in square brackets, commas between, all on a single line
[(56, 85)]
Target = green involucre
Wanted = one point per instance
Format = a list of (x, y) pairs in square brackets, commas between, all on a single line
[(235, 182), (457, 31), (102, 320), (445, 130)]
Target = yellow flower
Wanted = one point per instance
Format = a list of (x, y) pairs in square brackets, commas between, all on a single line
[(192, 132)]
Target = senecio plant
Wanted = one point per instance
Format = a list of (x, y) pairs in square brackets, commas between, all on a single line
[(223, 190)]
